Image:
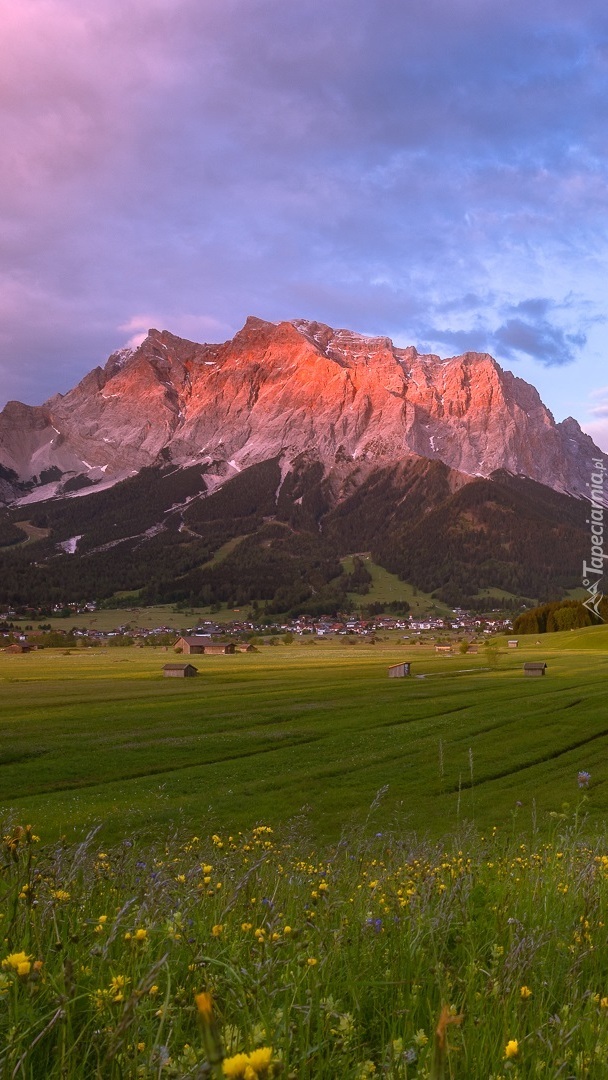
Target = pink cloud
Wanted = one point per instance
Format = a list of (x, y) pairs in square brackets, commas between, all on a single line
[(201, 328), (598, 430)]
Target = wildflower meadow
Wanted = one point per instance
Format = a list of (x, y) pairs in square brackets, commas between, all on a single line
[(295, 867), (260, 955)]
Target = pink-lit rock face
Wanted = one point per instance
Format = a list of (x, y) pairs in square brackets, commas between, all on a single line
[(291, 388)]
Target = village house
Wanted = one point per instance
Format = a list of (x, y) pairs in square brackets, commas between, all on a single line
[(192, 643)]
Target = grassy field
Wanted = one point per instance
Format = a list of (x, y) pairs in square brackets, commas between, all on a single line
[(314, 730), (136, 617), (386, 587), (305, 870)]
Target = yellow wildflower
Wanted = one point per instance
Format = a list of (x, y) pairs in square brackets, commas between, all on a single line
[(311, 961), (117, 985), (234, 1067), (248, 1066), (604, 1003), (61, 895), (512, 1048), (217, 930), (260, 1059), (141, 934), (246, 926), (525, 993), (14, 960)]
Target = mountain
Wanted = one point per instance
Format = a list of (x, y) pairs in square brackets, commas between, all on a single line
[(246, 471), (292, 388)]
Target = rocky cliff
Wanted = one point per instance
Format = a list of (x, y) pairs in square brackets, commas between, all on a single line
[(285, 390)]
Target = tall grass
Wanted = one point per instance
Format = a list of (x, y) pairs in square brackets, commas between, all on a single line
[(254, 956)]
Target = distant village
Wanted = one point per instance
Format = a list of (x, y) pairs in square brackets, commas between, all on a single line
[(464, 624)]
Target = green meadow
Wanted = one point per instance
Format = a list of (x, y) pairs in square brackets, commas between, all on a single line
[(303, 869), (386, 587), (313, 731)]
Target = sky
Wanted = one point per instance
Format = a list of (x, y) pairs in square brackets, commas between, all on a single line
[(435, 172)]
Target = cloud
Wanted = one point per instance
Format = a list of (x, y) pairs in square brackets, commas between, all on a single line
[(434, 173), (598, 430), (530, 328), (544, 342), (191, 327)]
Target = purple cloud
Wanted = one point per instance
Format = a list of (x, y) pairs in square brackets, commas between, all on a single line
[(384, 167)]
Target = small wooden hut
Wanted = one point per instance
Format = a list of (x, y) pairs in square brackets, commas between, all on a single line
[(534, 668), (179, 671), (399, 671)]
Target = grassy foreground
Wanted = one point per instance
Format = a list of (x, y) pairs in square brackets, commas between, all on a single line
[(377, 957), (99, 736)]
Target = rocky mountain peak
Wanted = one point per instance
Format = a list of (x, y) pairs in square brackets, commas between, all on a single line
[(291, 388)]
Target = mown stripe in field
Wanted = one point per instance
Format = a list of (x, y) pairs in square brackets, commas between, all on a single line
[(427, 716), (501, 774), (73, 785)]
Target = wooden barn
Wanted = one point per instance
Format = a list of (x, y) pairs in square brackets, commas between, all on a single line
[(18, 648), (535, 668), (193, 643), (245, 646), (179, 671), (219, 650), (513, 643), (445, 650), (399, 671)]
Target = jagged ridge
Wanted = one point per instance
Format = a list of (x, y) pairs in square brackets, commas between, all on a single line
[(283, 390)]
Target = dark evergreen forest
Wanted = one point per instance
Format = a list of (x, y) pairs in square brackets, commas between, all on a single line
[(167, 535)]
